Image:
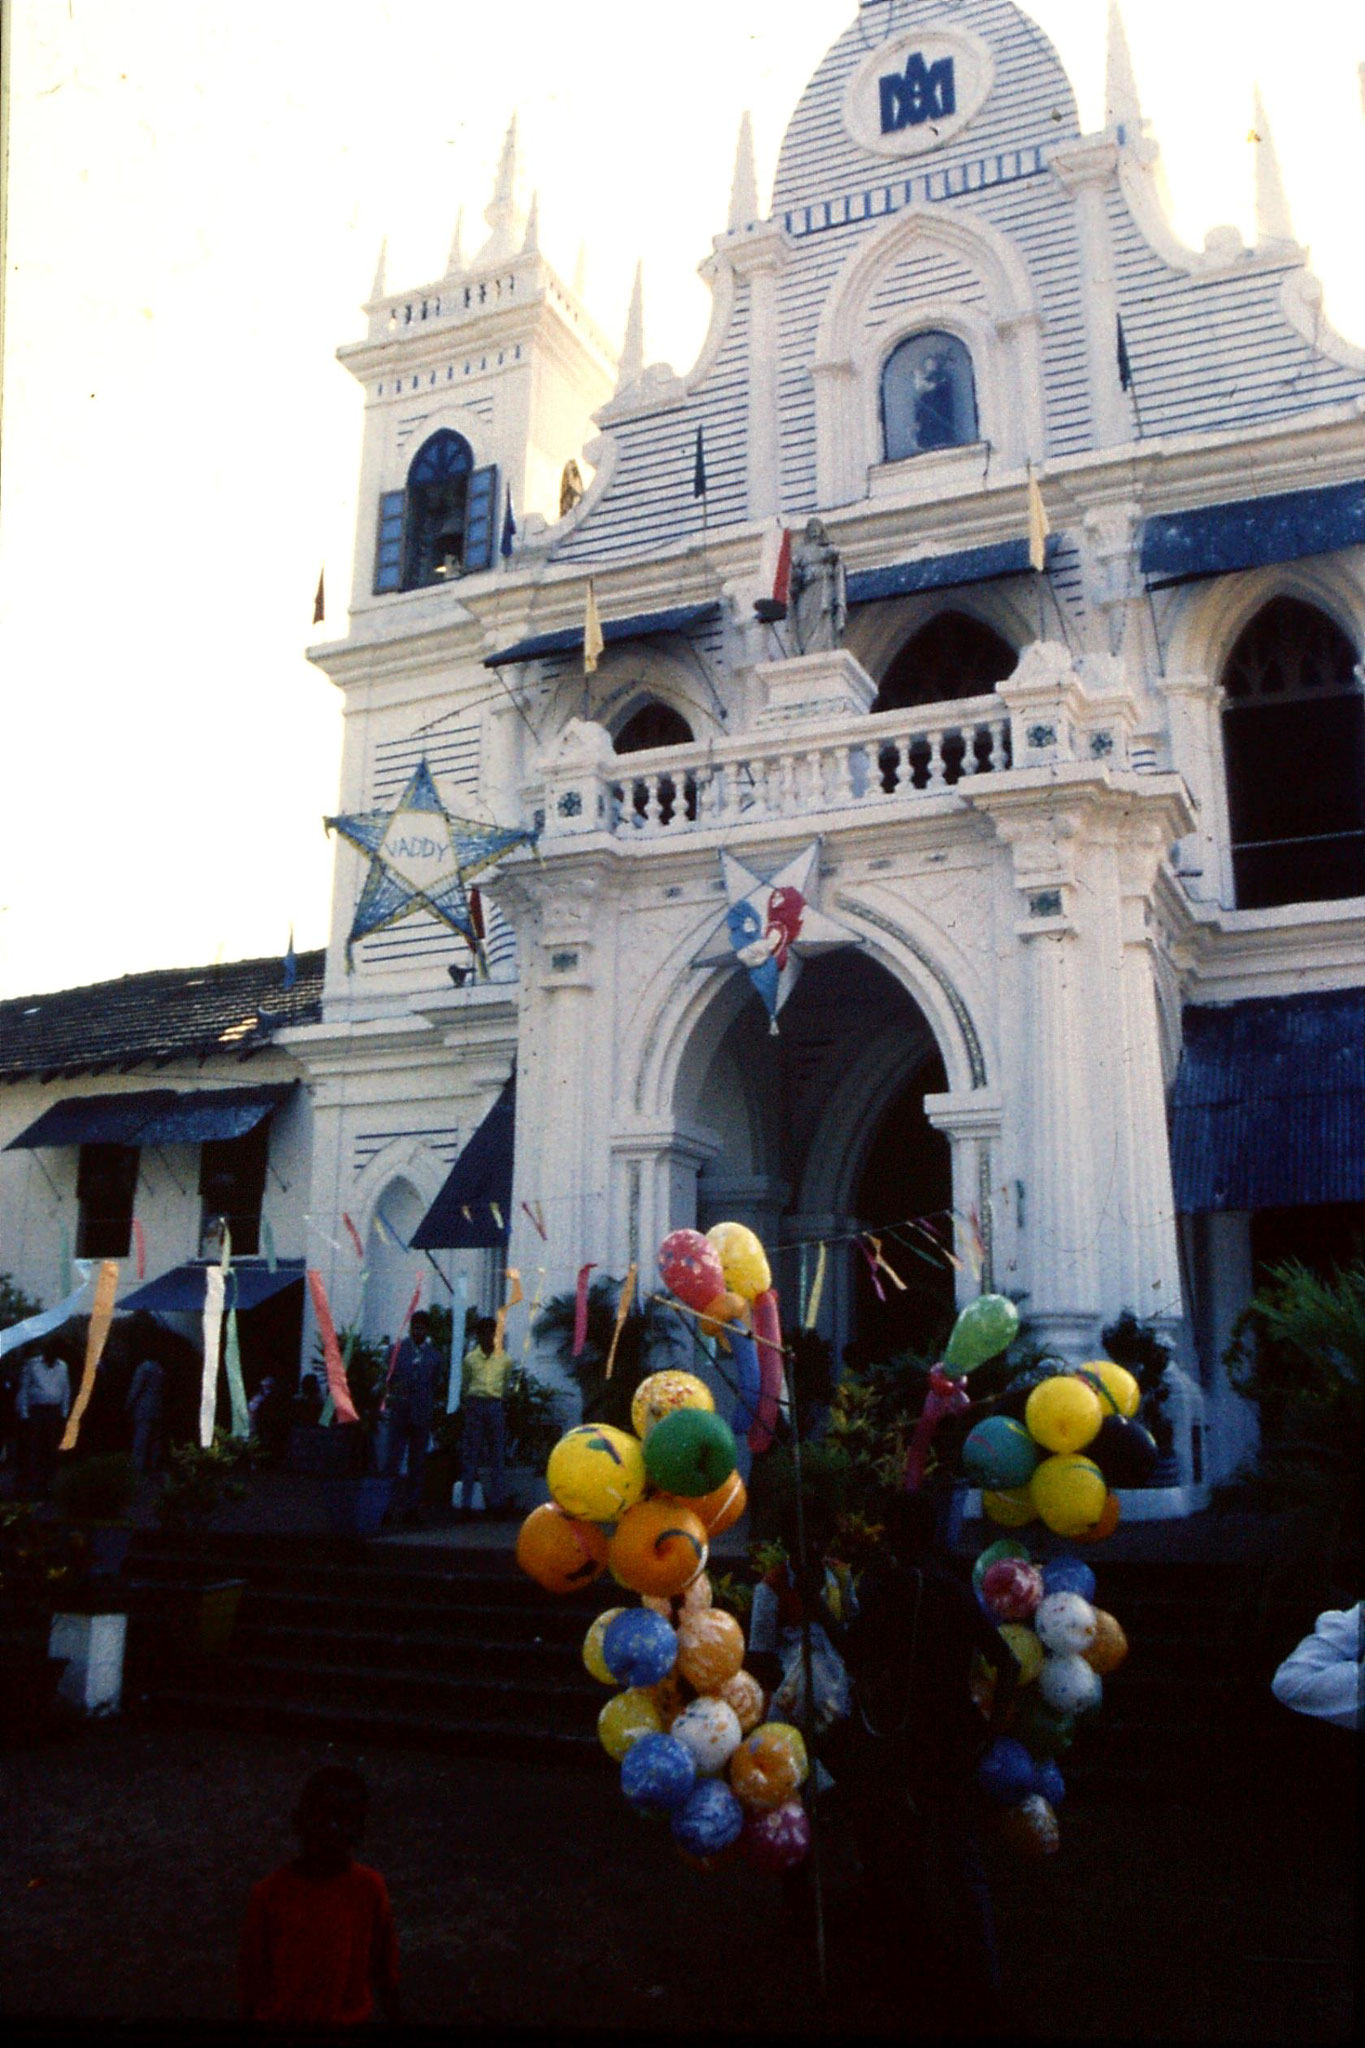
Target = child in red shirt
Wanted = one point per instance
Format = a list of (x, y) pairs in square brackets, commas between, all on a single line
[(319, 1937)]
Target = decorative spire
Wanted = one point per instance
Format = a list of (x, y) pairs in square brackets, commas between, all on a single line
[(1122, 107), (501, 210), (744, 188), (1273, 222), (380, 285), (531, 240), (455, 260), (633, 348)]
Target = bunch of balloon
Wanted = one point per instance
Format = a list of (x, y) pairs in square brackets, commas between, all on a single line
[(685, 1721), (1065, 1647), (1079, 1438), (725, 1281)]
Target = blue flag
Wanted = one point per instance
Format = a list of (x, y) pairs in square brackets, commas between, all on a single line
[(509, 529), (699, 468)]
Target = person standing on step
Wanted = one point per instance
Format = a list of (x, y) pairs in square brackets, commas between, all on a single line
[(483, 1390), (143, 1404), (43, 1404), (410, 1405)]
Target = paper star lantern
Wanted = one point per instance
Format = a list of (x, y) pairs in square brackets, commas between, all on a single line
[(422, 858), (770, 927)]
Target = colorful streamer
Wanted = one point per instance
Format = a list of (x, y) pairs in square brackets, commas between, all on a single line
[(268, 1240), (101, 1316), (214, 1287), (338, 1392), (459, 1304), (946, 1396), (768, 1341), (412, 1309), (622, 1311), (537, 1220), (354, 1235), (232, 1365), (67, 1285), (817, 1288), (47, 1320), (580, 1308), (533, 1312), (140, 1244)]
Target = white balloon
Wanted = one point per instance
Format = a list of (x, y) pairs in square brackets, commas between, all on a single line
[(711, 1730), (1068, 1684), (1065, 1624)]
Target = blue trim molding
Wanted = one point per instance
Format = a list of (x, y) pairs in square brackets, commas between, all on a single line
[(1253, 533)]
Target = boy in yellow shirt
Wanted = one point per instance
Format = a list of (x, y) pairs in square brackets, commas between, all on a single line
[(483, 1388)]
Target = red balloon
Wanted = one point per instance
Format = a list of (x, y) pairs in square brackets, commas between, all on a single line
[(1012, 1589), (779, 1839), (768, 1339), (690, 1267)]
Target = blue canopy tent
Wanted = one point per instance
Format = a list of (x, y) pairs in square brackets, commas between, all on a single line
[(181, 1291)]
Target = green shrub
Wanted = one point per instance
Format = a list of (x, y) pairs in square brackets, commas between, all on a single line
[(98, 1489)]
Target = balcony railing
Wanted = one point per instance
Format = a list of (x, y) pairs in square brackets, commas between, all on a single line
[(893, 757)]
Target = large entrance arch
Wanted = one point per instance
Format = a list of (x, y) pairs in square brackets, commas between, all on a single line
[(823, 1135)]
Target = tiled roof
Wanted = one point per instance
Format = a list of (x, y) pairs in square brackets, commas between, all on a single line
[(151, 1019)]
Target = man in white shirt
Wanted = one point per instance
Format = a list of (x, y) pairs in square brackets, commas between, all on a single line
[(43, 1405), (1323, 1675)]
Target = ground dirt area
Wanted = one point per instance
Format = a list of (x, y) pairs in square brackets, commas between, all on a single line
[(535, 1899)]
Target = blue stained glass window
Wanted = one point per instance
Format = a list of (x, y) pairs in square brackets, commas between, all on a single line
[(928, 397)]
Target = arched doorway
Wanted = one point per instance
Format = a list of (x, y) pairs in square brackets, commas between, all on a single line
[(392, 1269), (824, 1136)]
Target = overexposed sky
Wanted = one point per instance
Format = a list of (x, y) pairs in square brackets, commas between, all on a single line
[(197, 197)]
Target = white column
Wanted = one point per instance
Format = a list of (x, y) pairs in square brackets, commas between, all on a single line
[(1058, 1234), (1193, 709), (1088, 170), (972, 1123), (758, 256)]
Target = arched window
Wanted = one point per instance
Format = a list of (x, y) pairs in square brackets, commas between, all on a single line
[(953, 656), (1294, 749), (928, 397), (442, 523), (654, 800)]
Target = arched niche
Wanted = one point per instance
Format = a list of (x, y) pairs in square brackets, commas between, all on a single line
[(391, 1268)]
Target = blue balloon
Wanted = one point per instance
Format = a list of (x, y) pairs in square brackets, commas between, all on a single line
[(639, 1647), (1006, 1772), (1069, 1574), (747, 1378), (1047, 1780), (709, 1819), (658, 1773)]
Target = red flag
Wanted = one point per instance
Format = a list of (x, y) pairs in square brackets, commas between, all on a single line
[(320, 599), (476, 913), (331, 1350), (782, 579), (580, 1309)]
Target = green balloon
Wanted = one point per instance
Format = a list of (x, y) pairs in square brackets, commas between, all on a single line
[(994, 1553), (985, 1328), (690, 1452)]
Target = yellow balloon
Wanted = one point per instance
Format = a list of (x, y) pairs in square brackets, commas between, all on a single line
[(664, 1392), (743, 1259), (1069, 1493), (1063, 1414), (1028, 1651), (592, 1647), (625, 1719), (1120, 1385), (1010, 1508), (595, 1473)]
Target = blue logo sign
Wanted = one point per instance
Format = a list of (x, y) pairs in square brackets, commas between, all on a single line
[(926, 92)]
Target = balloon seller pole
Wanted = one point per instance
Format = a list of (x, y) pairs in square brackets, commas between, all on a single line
[(808, 1677)]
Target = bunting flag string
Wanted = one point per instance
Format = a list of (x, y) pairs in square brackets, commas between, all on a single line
[(354, 1235), (622, 1311), (101, 1316), (537, 1216), (338, 1391), (882, 1264), (872, 1271)]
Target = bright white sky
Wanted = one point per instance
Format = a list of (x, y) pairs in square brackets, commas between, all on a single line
[(198, 194)]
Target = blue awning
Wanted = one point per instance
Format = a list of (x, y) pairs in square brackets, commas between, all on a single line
[(1269, 1104), (1251, 533), (639, 627), (181, 1291), (462, 1217), (942, 572), (153, 1116)]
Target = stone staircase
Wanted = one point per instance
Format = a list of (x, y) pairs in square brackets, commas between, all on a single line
[(453, 1649)]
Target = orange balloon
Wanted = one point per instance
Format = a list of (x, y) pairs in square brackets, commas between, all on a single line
[(1105, 1526), (726, 1308), (1110, 1646), (746, 1696), (659, 1546), (720, 1510), (668, 1698), (768, 1768), (710, 1648), (691, 1600), (559, 1553)]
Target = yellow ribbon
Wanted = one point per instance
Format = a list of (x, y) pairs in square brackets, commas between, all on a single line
[(817, 1288), (101, 1316), (622, 1311)]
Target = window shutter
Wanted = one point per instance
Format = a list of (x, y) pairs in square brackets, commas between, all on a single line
[(479, 526), (388, 554)]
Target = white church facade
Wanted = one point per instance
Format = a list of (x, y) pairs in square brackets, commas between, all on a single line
[(1094, 832)]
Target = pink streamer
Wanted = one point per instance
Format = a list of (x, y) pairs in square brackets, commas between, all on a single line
[(402, 1332), (946, 1396), (580, 1308), (140, 1241), (355, 1237), (767, 1329), (331, 1350), (872, 1269)]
